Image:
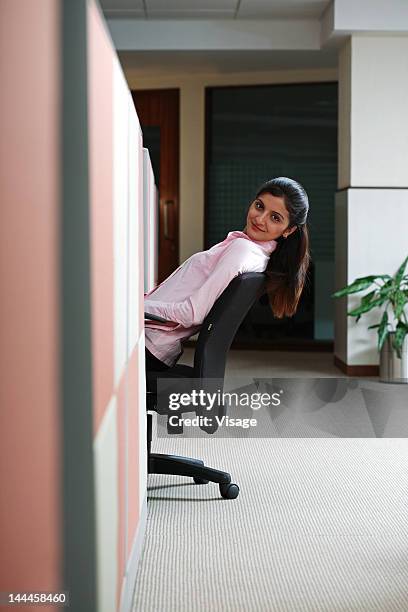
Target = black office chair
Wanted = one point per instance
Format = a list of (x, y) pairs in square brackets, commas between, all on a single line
[(214, 340)]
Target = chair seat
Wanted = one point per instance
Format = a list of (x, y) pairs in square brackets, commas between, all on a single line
[(178, 371)]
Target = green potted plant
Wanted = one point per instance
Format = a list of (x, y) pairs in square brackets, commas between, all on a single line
[(391, 292)]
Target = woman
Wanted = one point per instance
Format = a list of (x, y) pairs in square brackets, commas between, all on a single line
[(275, 240)]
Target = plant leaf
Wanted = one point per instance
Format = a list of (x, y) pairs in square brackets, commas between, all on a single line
[(383, 330), (366, 307), (400, 272), (368, 297), (400, 332), (400, 301), (372, 277), (387, 288), (358, 285)]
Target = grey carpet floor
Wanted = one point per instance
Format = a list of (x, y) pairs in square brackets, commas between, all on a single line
[(320, 525)]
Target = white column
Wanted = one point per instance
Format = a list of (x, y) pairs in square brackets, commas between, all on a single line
[(372, 197)]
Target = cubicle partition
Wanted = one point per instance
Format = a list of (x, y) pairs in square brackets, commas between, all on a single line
[(73, 430), (31, 519), (116, 208), (151, 236)]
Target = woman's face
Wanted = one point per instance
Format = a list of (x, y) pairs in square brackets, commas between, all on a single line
[(268, 218)]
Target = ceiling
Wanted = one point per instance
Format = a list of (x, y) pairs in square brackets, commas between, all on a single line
[(158, 62), (214, 9)]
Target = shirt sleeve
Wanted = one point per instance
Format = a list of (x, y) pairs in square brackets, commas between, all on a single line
[(194, 309)]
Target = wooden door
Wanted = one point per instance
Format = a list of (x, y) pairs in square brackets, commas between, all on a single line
[(159, 108)]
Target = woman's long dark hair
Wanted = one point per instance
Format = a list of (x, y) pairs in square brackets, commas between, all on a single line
[(288, 264)]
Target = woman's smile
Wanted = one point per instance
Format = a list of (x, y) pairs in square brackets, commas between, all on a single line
[(256, 227)]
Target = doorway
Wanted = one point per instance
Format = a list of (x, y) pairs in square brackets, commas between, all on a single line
[(158, 112)]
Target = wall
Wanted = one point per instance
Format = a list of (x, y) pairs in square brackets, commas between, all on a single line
[(368, 91), (372, 212), (192, 133)]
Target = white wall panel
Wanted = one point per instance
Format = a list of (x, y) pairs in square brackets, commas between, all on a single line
[(146, 162), (154, 225), (150, 223), (120, 214), (134, 207), (379, 118), (106, 496)]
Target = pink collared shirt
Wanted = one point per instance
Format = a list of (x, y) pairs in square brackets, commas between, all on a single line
[(187, 295)]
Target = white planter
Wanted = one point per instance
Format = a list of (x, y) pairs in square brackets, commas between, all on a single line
[(393, 369)]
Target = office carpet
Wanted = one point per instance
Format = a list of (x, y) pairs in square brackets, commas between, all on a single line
[(320, 525)]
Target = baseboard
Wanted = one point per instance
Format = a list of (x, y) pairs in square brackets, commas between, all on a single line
[(356, 370), (128, 583)]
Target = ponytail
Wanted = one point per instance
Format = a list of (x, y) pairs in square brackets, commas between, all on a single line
[(287, 272)]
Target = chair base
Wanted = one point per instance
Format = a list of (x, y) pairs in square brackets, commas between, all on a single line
[(186, 466)]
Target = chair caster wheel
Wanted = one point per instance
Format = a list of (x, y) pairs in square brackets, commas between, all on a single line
[(199, 480), (209, 429), (229, 490), (174, 429)]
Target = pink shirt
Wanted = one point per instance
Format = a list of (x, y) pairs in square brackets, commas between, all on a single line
[(187, 295)]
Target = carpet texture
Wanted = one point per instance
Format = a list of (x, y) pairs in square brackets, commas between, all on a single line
[(320, 525)]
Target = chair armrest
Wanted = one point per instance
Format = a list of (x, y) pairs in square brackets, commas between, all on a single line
[(155, 318)]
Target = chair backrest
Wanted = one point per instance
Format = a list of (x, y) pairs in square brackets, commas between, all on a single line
[(222, 322)]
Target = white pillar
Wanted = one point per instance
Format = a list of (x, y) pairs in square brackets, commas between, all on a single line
[(372, 197)]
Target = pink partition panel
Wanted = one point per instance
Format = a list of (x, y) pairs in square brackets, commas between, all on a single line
[(101, 189), (30, 437)]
